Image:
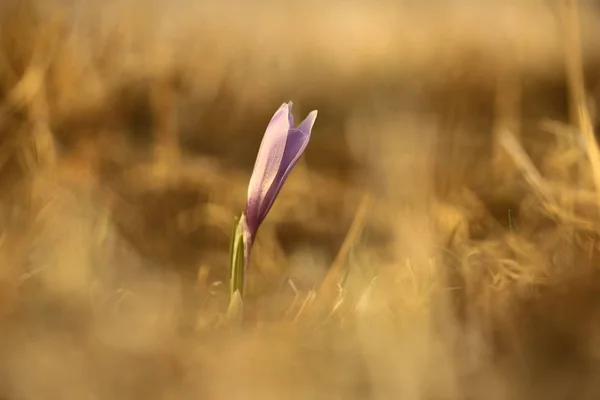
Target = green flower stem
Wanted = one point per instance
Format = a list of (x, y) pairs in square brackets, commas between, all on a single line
[(236, 260)]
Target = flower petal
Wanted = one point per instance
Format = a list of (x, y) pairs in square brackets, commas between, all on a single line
[(306, 125), (268, 164), (296, 144)]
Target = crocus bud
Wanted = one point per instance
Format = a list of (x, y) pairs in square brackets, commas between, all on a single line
[(281, 147)]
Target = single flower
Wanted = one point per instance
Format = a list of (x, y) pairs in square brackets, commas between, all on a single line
[(281, 147)]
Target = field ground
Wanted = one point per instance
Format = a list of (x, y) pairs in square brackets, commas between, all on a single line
[(440, 238)]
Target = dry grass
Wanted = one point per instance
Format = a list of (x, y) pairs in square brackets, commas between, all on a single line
[(439, 240)]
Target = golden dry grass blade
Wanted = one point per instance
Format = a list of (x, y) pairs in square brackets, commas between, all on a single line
[(578, 98), (329, 288)]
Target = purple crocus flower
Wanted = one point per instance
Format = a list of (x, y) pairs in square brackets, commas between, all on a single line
[(281, 147)]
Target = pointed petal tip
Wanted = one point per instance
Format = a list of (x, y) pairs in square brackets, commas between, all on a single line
[(307, 125), (290, 115), (286, 106), (283, 112)]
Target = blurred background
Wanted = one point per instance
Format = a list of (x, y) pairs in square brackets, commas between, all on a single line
[(439, 239)]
